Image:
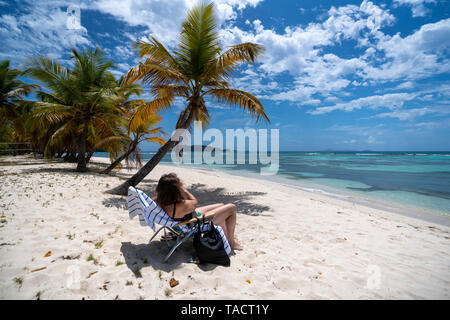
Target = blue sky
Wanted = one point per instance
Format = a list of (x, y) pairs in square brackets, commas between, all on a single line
[(342, 75)]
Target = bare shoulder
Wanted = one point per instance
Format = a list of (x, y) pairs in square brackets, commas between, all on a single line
[(187, 206)]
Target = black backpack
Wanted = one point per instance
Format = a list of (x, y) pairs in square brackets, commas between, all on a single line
[(209, 245)]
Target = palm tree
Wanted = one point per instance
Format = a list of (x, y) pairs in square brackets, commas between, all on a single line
[(145, 131), (12, 89), (13, 108), (198, 69), (82, 105)]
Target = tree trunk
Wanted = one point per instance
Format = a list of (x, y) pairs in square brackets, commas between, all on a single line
[(81, 167), (89, 156), (145, 170), (118, 160)]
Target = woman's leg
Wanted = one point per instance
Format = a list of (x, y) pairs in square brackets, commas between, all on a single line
[(208, 208), (225, 216)]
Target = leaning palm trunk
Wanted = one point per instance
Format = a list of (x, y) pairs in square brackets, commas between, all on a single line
[(118, 160), (145, 170)]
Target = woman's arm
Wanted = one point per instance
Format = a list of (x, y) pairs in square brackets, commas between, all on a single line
[(190, 201), (187, 194)]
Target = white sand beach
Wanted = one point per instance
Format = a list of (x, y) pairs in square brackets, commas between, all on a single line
[(297, 245)]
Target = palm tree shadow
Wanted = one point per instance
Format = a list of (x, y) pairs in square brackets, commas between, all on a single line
[(242, 200), (92, 171), (205, 196), (119, 203)]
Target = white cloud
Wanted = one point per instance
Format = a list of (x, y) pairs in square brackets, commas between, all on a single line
[(421, 127), (407, 114), (395, 102), (373, 140), (369, 135), (298, 46), (418, 8), (300, 53), (416, 56), (405, 85), (411, 114), (124, 52), (41, 27), (163, 19), (390, 101), (39, 30), (298, 50)]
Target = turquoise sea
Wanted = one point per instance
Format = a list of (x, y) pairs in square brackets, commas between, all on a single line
[(414, 183)]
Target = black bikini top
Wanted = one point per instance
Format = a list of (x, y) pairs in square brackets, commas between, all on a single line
[(186, 216)]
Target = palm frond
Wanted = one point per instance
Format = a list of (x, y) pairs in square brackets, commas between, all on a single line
[(239, 99), (156, 139), (153, 72), (146, 110), (199, 40), (157, 52), (224, 66), (49, 113)]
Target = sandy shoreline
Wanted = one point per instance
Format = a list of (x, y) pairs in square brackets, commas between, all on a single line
[(298, 245)]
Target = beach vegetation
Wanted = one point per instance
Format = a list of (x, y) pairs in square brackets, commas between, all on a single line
[(38, 295), (98, 244), (80, 106), (18, 281), (137, 272)]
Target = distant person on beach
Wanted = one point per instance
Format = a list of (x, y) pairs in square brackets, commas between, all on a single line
[(181, 205)]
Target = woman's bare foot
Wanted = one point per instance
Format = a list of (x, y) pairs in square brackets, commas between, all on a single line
[(235, 245)]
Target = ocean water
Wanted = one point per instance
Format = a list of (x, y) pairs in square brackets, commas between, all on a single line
[(409, 182)]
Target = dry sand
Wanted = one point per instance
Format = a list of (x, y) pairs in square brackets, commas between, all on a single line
[(297, 245)]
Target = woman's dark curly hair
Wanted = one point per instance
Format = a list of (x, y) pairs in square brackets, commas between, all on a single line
[(168, 190)]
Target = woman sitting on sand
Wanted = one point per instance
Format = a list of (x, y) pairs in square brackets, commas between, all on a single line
[(181, 205)]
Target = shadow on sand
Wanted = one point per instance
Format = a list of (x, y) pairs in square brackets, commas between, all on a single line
[(138, 256), (94, 169), (205, 196)]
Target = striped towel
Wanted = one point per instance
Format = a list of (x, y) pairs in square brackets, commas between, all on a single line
[(150, 214)]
